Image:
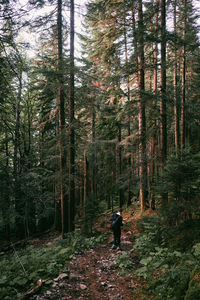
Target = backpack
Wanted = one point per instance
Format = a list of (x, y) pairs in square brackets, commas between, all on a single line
[(114, 222)]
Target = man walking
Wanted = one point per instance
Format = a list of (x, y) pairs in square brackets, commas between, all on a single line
[(116, 223)]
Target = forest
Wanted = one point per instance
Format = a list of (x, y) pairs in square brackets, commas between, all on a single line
[(100, 110)]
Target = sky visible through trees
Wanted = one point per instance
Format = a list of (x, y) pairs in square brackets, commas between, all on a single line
[(31, 37), (80, 11)]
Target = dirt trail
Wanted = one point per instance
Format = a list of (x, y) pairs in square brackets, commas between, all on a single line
[(93, 275)]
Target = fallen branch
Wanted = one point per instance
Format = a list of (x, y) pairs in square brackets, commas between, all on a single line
[(32, 291)]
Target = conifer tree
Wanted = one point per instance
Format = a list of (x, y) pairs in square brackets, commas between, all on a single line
[(141, 111), (175, 82), (163, 105), (71, 201), (62, 136)]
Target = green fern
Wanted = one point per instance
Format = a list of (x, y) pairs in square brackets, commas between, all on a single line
[(21, 272)]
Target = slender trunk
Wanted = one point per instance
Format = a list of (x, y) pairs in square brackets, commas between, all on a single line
[(119, 165), (31, 215), (5, 194), (141, 112), (163, 114), (135, 46), (129, 123), (183, 79), (93, 185), (29, 128), (155, 90), (85, 190), (19, 205), (57, 213), (155, 58), (176, 101), (163, 127), (71, 200), (61, 103)]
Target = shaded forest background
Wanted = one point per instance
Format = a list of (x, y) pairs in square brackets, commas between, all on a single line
[(121, 124)]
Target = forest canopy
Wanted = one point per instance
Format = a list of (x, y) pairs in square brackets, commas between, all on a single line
[(106, 124)]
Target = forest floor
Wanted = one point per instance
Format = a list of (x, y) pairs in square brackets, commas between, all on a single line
[(93, 274)]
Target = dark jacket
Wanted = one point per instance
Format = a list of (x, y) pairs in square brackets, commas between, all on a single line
[(119, 222)]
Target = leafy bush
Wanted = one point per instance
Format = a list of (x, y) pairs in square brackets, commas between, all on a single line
[(171, 285), (158, 259), (20, 271), (124, 263), (193, 291), (169, 272)]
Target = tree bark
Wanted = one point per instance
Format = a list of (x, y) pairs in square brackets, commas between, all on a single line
[(5, 192), (61, 104), (141, 112), (85, 190), (176, 102), (183, 79), (19, 205), (119, 166), (71, 200), (129, 122), (163, 113), (155, 90), (163, 127), (94, 165)]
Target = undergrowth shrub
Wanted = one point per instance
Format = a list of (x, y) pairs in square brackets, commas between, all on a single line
[(193, 291), (124, 263), (170, 285), (171, 271), (151, 234), (159, 259), (22, 269)]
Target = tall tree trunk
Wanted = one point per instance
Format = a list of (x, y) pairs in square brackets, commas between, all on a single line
[(163, 113), (61, 103), (19, 205), (155, 90), (183, 77), (31, 221), (5, 193), (71, 201), (94, 165), (135, 171), (176, 101), (129, 122), (85, 191), (141, 112), (119, 165)]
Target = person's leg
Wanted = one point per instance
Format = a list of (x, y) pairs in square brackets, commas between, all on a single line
[(115, 240), (118, 242)]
